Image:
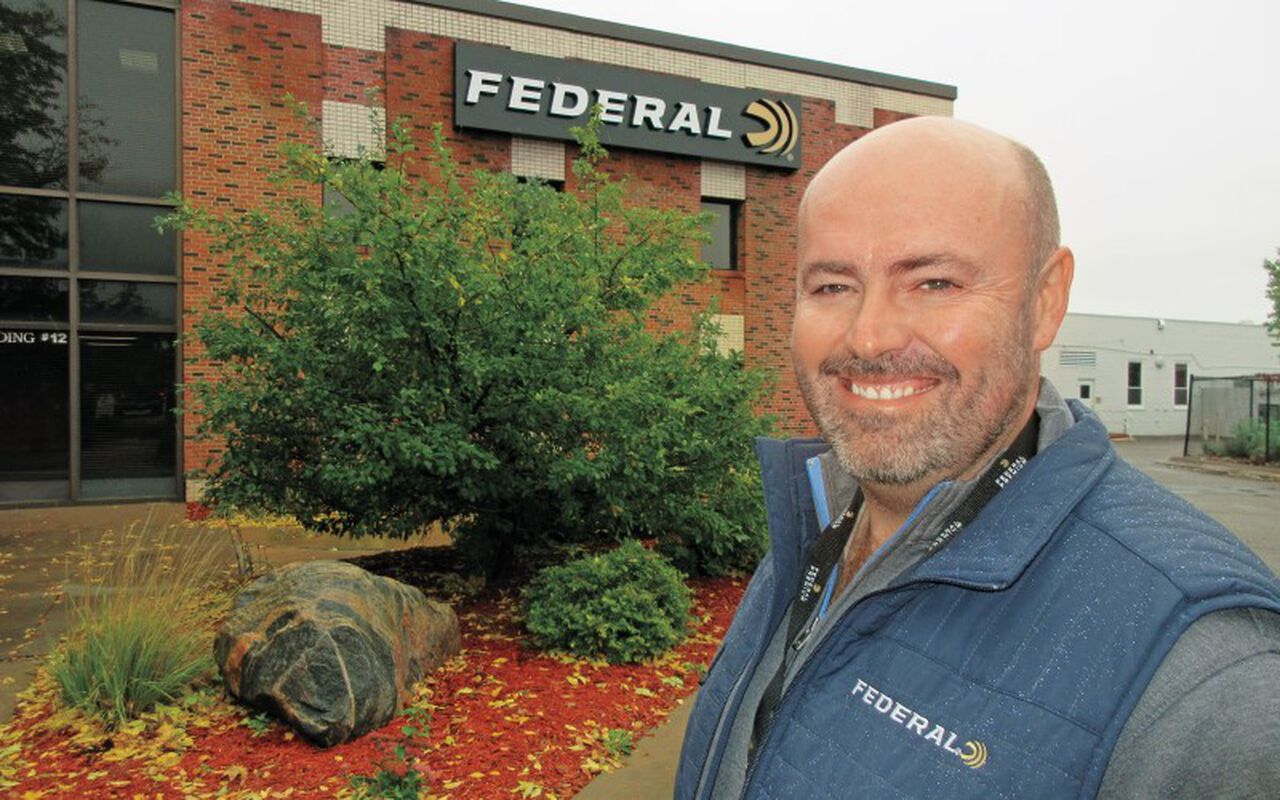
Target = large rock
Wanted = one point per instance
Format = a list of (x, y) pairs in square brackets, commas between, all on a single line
[(330, 648)]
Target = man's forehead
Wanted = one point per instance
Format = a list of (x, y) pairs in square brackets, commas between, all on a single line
[(915, 156)]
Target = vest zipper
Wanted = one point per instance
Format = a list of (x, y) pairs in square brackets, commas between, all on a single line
[(738, 686)]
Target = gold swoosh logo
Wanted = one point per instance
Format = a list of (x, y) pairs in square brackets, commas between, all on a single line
[(781, 128), (974, 754)]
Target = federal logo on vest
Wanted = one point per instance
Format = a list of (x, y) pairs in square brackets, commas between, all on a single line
[(972, 754)]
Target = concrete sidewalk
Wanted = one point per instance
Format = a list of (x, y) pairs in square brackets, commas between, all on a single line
[(649, 773)]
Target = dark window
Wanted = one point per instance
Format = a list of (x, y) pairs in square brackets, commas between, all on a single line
[(33, 232), (33, 116), (117, 237), (127, 302), (1086, 391), (721, 251), (33, 299), (554, 184), (126, 106), (128, 436), (118, 137), (34, 434), (1180, 385), (1135, 383), (336, 203)]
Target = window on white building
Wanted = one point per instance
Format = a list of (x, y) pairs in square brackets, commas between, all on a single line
[(1180, 385), (1135, 384)]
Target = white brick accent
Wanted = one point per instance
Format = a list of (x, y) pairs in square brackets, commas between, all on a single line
[(537, 158), (351, 130), (732, 333), (355, 23), (724, 181), (360, 23), (908, 103), (300, 6)]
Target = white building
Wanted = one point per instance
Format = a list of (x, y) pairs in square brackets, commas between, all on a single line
[(1134, 372)]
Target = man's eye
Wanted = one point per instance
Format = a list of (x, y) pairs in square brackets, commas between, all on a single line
[(833, 288), (937, 284)]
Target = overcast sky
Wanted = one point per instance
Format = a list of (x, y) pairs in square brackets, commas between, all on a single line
[(1159, 121)]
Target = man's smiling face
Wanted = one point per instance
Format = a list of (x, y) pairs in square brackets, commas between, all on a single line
[(916, 332)]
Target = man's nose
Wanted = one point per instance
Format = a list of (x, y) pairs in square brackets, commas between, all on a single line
[(879, 325)]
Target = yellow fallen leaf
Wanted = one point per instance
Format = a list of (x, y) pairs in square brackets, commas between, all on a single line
[(167, 760)]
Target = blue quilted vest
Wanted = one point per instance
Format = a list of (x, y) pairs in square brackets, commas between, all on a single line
[(1005, 665)]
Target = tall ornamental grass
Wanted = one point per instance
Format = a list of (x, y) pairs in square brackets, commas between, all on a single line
[(143, 606)]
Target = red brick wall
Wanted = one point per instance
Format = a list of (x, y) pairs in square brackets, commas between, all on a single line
[(420, 90), (352, 75), (239, 62)]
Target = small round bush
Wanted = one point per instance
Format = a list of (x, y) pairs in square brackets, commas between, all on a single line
[(626, 605)]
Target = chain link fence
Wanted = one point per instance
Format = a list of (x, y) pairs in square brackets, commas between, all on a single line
[(1236, 416)]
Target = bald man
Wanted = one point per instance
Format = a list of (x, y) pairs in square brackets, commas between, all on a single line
[(967, 593)]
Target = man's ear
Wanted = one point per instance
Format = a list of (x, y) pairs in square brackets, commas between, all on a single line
[(1053, 290)]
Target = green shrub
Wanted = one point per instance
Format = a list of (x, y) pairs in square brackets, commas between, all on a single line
[(1247, 440), (142, 632), (625, 605), (474, 348)]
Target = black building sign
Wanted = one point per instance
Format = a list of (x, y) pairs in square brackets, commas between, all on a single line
[(500, 90)]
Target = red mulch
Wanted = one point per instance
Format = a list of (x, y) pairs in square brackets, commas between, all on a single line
[(505, 722)]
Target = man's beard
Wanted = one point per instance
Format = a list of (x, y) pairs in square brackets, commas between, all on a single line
[(902, 449)]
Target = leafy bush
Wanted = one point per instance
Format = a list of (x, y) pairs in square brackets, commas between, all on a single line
[(1247, 440), (475, 349), (140, 636), (626, 605)]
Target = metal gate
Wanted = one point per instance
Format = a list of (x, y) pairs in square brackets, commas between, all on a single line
[(1237, 417)]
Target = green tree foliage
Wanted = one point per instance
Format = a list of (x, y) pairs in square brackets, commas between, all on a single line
[(1273, 296), (626, 605), (475, 349)]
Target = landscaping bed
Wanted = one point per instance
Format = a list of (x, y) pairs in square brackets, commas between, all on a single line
[(501, 720)]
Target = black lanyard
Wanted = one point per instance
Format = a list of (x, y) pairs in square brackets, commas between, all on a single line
[(826, 551)]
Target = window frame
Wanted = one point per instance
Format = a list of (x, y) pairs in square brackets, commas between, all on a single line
[(73, 193), (1185, 387), (1131, 387), (734, 209)]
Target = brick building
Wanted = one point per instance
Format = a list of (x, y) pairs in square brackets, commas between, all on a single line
[(190, 97)]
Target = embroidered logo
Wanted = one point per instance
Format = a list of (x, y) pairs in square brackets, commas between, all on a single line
[(972, 754)]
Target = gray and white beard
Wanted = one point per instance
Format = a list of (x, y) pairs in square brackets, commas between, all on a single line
[(895, 450)]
